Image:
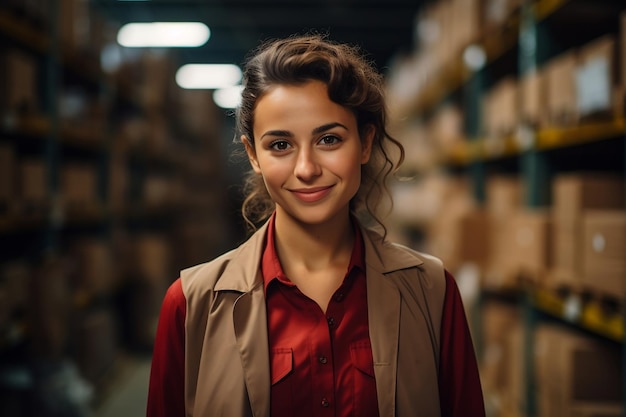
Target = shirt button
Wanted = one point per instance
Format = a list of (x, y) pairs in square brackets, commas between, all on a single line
[(339, 297), (323, 360), (331, 321), (325, 403)]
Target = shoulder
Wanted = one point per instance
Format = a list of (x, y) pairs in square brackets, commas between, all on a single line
[(391, 256), (410, 270), (206, 274), (235, 270)]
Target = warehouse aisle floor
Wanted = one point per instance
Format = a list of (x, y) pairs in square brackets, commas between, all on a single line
[(128, 394)]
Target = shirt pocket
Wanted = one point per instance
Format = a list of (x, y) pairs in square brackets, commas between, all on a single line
[(282, 364), (361, 355), (364, 381), (281, 397)]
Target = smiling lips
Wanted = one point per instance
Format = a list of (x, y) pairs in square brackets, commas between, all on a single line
[(311, 195)]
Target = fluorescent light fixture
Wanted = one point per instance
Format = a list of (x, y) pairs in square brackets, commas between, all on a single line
[(228, 98), (208, 76), (163, 34)]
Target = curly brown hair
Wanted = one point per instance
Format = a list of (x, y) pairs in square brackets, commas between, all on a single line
[(352, 82)]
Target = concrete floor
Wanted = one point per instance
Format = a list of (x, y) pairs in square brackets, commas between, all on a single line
[(128, 394)]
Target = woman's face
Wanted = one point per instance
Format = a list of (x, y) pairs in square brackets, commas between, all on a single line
[(308, 150)]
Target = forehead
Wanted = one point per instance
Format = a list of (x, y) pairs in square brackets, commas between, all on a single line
[(298, 104)]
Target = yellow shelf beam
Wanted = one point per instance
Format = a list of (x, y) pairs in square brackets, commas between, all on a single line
[(589, 132), (590, 316), (478, 150)]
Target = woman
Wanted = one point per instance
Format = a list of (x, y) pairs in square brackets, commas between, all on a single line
[(314, 314)]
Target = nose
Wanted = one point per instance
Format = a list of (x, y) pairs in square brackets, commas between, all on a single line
[(307, 167)]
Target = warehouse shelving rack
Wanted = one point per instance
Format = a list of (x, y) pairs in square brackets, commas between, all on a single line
[(37, 236), (526, 40)]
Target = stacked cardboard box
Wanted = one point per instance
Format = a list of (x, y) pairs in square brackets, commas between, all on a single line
[(32, 184), (500, 322), (604, 249), (7, 176), (530, 244), (501, 104), (597, 79), (503, 200), (576, 375), (50, 308), (18, 83), (79, 185), (573, 195), (94, 274), (559, 83)]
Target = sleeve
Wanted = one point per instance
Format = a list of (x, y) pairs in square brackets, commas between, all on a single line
[(166, 395), (460, 390)]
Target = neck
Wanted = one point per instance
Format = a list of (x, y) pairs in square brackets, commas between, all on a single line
[(314, 246)]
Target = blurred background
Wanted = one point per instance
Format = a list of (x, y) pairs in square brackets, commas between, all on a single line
[(116, 172)]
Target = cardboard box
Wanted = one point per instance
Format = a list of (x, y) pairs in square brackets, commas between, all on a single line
[(604, 263), (596, 77), (531, 244), (576, 373), (499, 272), (504, 195), (18, 83), (79, 185), (474, 239), (75, 24), (152, 259), (559, 83), (7, 175), (33, 186), (50, 308), (94, 274), (567, 251), (501, 116), (14, 290), (498, 318), (575, 192)]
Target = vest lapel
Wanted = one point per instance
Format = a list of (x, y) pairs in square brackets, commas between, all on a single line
[(383, 305), (383, 302), (250, 323)]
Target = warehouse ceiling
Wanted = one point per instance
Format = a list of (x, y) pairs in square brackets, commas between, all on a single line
[(382, 28)]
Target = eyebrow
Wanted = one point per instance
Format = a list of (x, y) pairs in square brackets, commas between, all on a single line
[(316, 131)]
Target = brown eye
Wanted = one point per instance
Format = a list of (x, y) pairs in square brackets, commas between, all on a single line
[(279, 145), (329, 140)]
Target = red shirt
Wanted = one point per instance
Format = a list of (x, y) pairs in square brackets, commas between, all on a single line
[(460, 391), (321, 363)]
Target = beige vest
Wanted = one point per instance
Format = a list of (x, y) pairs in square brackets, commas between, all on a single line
[(227, 370)]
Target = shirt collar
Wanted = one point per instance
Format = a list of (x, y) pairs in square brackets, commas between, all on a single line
[(272, 269)]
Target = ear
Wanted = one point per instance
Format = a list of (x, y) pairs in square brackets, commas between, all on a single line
[(366, 143), (251, 154)]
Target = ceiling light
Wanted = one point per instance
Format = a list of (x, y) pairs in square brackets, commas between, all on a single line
[(228, 98), (163, 34), (208, 76)]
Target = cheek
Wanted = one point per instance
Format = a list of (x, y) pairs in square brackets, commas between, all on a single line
[(274, 172)]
